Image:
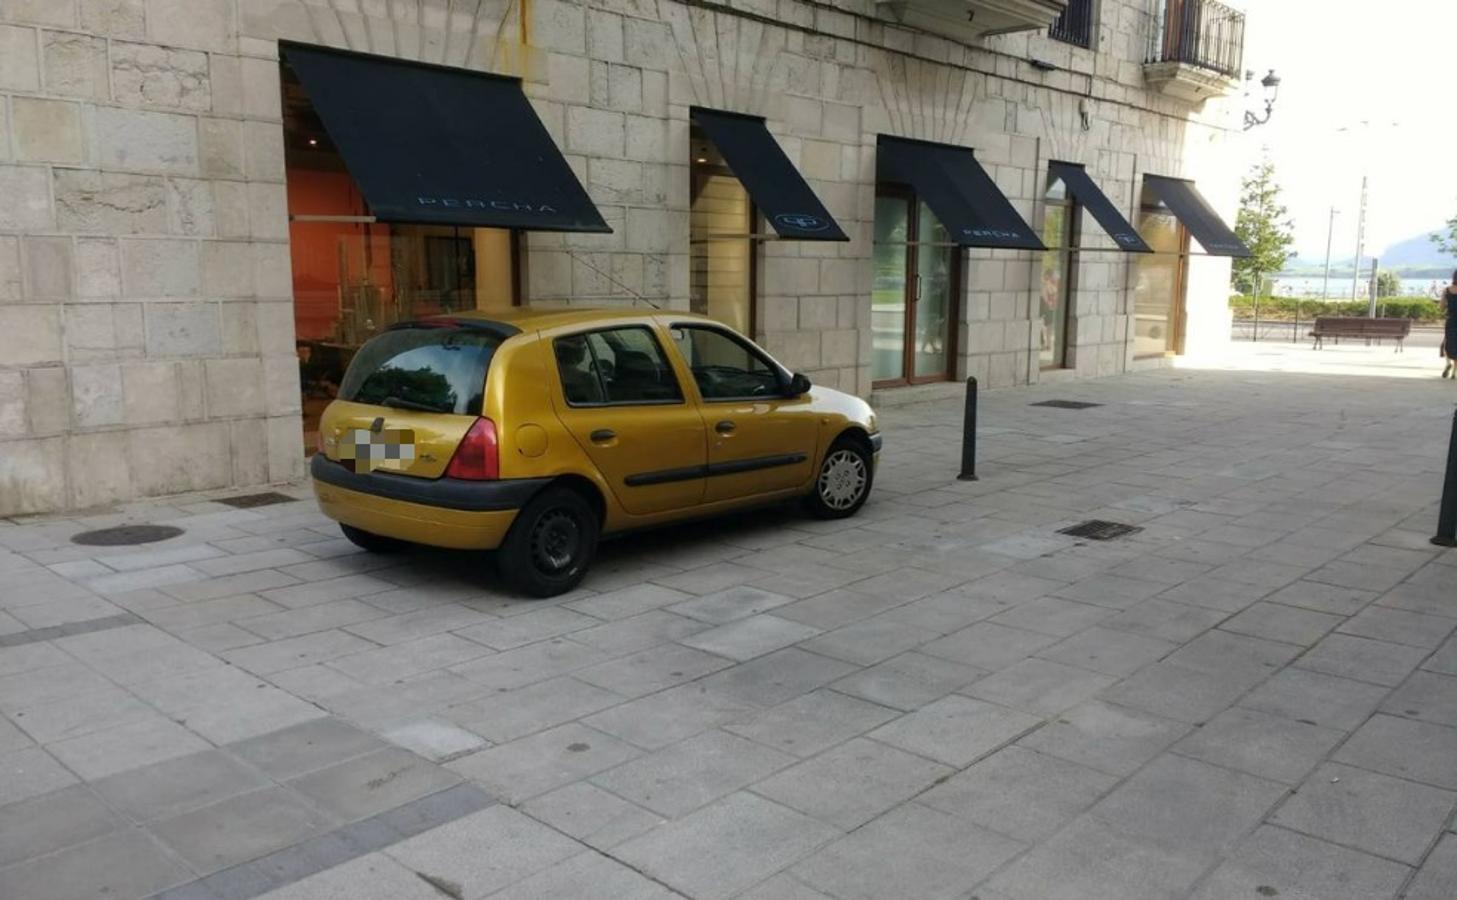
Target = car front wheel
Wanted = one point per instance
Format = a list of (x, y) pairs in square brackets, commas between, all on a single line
[(551, 543), (844, 480)]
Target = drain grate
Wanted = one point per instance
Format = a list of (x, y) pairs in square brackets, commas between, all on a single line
[(252, 501), (1067, 404), (1099, 530), (123, 535)]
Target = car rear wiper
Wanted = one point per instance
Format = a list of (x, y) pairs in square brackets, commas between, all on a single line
[(401, 403)]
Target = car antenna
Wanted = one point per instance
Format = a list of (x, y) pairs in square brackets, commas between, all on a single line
[(635, 295)]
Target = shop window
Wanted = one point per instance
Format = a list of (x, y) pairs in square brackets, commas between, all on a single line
[(1162, 276), (721, 242), (1059, 272), (353, 277), (914, 303)]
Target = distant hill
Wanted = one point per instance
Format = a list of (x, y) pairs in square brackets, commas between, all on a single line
[(1415, 257), (1416, 252)]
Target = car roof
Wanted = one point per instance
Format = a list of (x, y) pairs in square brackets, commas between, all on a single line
[(528, 318)]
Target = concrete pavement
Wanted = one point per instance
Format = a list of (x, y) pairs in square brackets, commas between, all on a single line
[(1254, 696)]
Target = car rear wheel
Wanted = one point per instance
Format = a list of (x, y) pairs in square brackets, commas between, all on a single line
[(368, 540), (551, 543), (844, 480)]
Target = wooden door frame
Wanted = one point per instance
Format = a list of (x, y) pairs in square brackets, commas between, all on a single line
[(911, 293), (695, 169), (1074, 238), (1178, 312)]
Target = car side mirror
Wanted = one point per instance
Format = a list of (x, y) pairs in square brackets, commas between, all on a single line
[(799, 385)]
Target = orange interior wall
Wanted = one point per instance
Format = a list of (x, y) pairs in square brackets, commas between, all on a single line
[(315, 248)]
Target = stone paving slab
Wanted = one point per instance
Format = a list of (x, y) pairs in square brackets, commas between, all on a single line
[(1255, 695)]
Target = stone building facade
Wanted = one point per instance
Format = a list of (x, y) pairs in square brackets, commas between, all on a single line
[(147, 331)]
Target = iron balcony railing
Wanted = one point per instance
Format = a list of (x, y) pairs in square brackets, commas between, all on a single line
[(1202, 33), (1075, 25)]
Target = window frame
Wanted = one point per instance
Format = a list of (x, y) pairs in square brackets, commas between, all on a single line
[(697, 172), (1069, 251), (1148, 204), (783, 376), (680, 400), (956, 301)]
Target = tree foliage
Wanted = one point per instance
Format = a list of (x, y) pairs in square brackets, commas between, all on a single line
[(1265, 227), (1447, 243), (1388, 284)]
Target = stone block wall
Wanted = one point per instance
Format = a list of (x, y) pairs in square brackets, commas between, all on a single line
[(146, 329), (146, 323)]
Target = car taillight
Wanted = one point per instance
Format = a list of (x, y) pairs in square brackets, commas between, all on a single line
[(478, 457)]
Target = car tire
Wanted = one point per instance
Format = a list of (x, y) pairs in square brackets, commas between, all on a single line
[(843, 482), (551, 543), (368, 540)]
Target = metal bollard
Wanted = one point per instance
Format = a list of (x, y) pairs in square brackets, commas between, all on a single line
[(1447, 516), (968, 435)]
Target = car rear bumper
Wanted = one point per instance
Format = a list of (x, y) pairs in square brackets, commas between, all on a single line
[(442, 512)]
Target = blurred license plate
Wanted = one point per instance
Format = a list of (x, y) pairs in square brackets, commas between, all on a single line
[(388, 448)]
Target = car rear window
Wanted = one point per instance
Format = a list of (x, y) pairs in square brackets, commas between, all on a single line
[(433, 369)]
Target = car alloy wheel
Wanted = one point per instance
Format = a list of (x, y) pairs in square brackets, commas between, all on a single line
[(842, 479)]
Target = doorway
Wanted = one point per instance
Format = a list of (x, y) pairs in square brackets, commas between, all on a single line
[(914, 306), (723, 255), (1158, 296)]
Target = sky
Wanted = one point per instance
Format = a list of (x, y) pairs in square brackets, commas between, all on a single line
[(1391, 65)]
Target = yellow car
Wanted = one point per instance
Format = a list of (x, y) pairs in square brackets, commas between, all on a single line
[(534, 432)]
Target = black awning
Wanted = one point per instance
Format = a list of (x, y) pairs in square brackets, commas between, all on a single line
[(1081, 185), (787, 202), (958, 190), (438, 145), (1198, 216)]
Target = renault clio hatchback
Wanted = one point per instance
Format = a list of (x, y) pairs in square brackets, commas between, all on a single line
[(535, 432)]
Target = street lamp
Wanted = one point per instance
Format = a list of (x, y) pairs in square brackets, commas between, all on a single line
[(1271, 84)]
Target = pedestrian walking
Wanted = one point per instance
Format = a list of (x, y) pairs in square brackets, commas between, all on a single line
[(1449, 341)]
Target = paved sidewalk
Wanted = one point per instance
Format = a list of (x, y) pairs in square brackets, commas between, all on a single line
[(1255, 696)]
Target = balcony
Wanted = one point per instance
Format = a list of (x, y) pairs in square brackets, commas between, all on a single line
[(1196, 49), (970, 19), (1075, 25)]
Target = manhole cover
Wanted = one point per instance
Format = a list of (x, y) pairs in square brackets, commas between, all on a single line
[(1099, 530), (1067, 404), (249, 501), (125, 534)]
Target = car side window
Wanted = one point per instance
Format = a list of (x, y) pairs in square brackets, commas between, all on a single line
[(725, 367), (580, 384), (615, 366)]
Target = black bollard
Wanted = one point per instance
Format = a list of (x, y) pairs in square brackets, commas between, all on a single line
[(968, 435), (1447, 516)]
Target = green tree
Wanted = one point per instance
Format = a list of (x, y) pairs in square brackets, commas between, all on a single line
[(1265, 227), (1388, 284), (1447, 243)]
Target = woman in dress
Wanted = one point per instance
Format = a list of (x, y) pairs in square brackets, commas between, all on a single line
[(1449, 343)]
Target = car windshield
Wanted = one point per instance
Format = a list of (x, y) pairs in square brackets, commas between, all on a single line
[(427, 368)]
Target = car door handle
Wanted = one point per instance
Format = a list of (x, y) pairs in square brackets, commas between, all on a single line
[(602, 435), (725, 427)]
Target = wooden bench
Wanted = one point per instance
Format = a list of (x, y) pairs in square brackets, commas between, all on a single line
[(1356, 327)]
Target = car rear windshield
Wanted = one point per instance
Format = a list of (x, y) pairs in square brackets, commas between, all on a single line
[(428, 368)]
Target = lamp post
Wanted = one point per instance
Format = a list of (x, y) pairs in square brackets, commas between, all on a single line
[(1360, 245), (1325, 285), (1271, 84), (1364, 126)]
